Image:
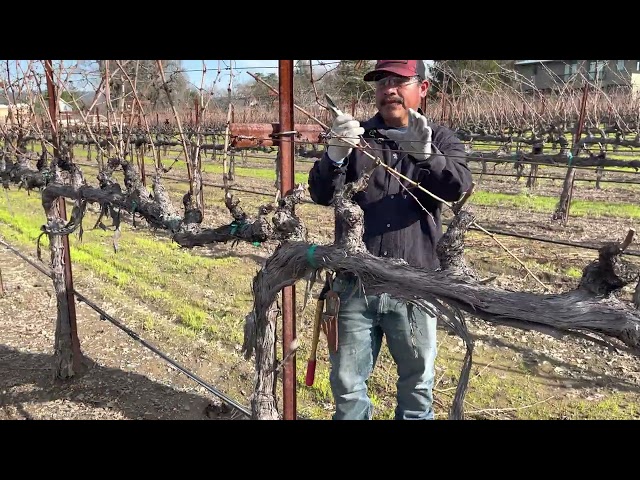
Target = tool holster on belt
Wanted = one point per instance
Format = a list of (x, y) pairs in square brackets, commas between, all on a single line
[(329, 323)]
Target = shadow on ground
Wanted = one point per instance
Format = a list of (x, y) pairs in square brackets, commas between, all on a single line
[(135, 396)]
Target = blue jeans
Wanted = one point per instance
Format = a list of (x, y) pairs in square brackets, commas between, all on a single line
[(361, 326)]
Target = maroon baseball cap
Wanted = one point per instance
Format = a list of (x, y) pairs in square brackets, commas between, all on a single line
[(404, 68)]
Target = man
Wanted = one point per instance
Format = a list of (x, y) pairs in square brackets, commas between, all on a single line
[(395, 226)]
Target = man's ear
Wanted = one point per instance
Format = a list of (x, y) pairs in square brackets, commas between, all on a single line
[(424, 88)]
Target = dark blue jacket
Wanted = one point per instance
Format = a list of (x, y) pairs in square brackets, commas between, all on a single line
[(395, 225)]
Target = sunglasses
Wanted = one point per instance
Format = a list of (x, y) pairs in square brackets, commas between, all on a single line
[(397, 82)]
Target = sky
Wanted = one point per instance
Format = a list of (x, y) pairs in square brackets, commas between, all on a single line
[(193, 70), (240, 69), (193, 67)]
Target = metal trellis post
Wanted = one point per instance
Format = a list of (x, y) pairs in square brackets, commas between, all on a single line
[(286, 148)]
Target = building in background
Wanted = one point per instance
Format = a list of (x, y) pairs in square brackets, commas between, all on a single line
[(10, 113), (550, 75)]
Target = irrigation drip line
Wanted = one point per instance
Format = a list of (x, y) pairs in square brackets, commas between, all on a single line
[(545, 164), (548, 240), (105, 316), (254, 192), (525, 175), (134, 335), (500, 144)]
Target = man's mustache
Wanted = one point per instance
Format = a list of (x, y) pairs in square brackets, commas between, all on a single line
[(390, 100)]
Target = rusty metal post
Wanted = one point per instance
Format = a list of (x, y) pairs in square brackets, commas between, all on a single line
[(286, 149), (68, 278)]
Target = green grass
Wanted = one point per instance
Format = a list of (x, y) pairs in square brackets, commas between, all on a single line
[(535, 203), (573, 272), (263, 173), (553, 269), (153, 270), (614, 407), (266, 173)]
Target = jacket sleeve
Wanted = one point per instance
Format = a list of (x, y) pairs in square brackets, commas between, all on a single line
[(445, 173), (325, 177)]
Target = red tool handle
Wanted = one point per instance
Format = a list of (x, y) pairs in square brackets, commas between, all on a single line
[(311, 372), (311, 363)]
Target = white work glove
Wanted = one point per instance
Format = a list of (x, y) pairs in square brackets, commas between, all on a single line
[(343, 126), (416, 139)]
